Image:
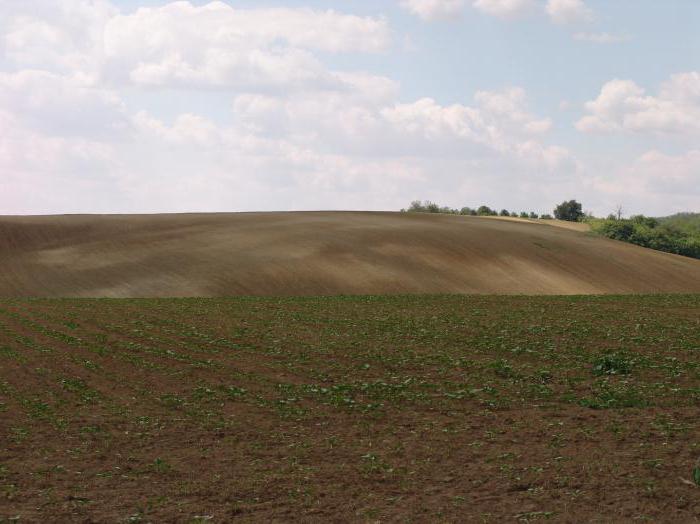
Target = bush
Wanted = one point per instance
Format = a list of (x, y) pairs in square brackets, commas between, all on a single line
[(570, 211), (650, 232), (429, 207), (546, 217), (644, 221), (613, 364)]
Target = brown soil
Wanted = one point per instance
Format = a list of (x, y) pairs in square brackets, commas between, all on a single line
[(362, 409), (321, 253)]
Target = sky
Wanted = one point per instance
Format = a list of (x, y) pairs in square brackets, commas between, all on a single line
[(150, 106)]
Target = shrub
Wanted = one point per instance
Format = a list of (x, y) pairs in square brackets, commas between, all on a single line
[(652, 233), (429, 207), (613, 364)]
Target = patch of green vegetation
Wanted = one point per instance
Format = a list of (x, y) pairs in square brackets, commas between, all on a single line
[(613, 364), (611, 396), (662, 235)]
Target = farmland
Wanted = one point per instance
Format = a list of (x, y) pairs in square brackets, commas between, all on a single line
[(322, 253), (366, 408)]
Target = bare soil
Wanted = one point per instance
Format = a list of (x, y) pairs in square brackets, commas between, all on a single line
[(322, 253)]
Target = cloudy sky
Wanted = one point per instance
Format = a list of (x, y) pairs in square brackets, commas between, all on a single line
[(238, 105)]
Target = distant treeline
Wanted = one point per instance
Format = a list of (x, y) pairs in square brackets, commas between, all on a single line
[(679, 234), (485, 211)]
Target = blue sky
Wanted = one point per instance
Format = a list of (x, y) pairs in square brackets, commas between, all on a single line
[(153, 106)]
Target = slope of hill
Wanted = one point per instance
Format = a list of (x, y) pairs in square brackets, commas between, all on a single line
[(319, 253)]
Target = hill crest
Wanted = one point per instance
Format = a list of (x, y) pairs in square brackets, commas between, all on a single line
[(320, 253)]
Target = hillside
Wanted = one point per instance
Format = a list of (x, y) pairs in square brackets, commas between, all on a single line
[(319, 253), (689, 222)]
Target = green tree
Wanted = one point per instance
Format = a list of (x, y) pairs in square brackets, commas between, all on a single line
[(570, 211), (431, 207)]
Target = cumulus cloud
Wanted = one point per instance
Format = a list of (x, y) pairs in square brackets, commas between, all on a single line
[(622, 105), (291, 132), (503, 8), (568, 11), (62, 106), (669, 174), (448, 9), (58, 36), (43, 172), (356, 148), (434, 9), (654, 183), (216, 45), (497, 121)]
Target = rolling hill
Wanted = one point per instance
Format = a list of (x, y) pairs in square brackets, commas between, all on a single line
[(320, 253)]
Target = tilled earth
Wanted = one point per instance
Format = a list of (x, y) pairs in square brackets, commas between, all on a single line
[(366, 409), (323, 253)]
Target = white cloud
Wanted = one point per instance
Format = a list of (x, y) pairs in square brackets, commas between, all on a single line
[(434, 9), (622, 105), (354, 148), (215, 45), (654, 184), (668, 174), (601, 38), (62, 106), (291, 131), (59, 36), (504, 8), (568, 11), (498, 122), (181, 44)]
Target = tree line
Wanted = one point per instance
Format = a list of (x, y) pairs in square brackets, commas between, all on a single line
[(679, 234), (569, 210), (431, 207)]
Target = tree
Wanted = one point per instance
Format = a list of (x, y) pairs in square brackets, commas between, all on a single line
[(416, 207), (570, 211), (533, 214), (504, 213), (618, 212), (431, 207), (485, 211), (523, 214)]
